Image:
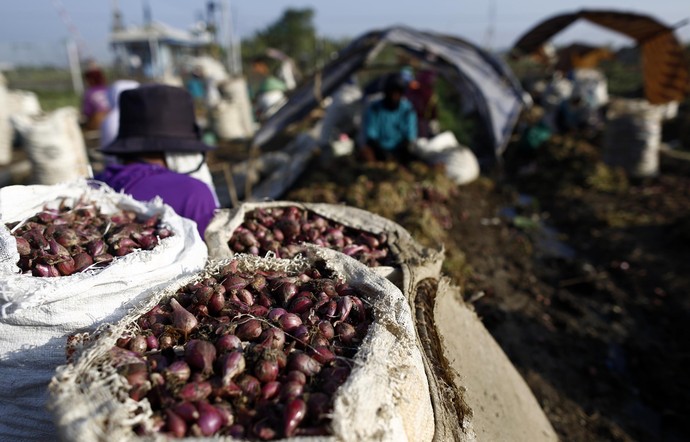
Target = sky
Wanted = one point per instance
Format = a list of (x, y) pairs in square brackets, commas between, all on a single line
[(33, 31)]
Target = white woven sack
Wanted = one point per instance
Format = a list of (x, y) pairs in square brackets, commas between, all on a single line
[(591, 86), (459, 161), (632, 136), (54, 144), (233, 115), (5, 128), (386, 397), (23, 103), (40, 313)]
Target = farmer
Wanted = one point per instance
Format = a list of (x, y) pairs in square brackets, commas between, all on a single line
[(420, 92), (390, 124), (270, 95), (156, 121), (94, 106)]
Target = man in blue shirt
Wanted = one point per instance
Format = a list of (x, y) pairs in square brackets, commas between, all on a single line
[(390, 124)]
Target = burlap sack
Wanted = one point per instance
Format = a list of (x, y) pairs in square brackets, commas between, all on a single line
[(384, 399), (474, 379), (38, 314), (414, 262)]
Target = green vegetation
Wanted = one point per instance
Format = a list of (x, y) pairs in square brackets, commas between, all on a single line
[(51, 100), (294, 34), (450, 116), (53, 86)]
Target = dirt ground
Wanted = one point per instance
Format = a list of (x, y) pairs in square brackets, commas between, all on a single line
[(584, 284)]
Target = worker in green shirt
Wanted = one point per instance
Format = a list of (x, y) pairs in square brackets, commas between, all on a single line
[(390, 124)]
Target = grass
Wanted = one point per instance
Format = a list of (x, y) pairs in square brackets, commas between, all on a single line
[(51, 100), (52, 86)]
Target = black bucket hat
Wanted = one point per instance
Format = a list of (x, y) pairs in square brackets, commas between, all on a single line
[(156, 118)]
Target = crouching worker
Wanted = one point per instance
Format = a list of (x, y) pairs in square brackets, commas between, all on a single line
[(390, 124), (156, 121)]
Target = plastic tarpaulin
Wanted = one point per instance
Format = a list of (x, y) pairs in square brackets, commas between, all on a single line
[(664, 64), (478, 75)]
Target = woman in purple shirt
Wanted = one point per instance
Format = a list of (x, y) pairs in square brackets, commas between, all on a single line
[(153, 120), (95, 105)]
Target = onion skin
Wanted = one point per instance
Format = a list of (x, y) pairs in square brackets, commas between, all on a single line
[(182, 319), (326, 329), (289, 322), (302, 362), (266, 371), (249, 330), (232, 364), (175, 424), (23, 246), (322, 355), (228, 343), (270, 390), (195, 391), (82, 261), (200, 355), (249, 385), (345, 332), (291, 390), (187, 411), (295, 412), (209, 419), (275, 313)]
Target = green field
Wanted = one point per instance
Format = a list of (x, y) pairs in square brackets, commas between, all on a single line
[(52, 86)]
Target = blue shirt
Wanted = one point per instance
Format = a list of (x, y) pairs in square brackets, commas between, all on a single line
[(389, 127), (187, 196)]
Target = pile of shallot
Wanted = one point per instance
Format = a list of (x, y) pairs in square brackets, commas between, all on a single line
[(67, 240), (283, 230), (250, 355)]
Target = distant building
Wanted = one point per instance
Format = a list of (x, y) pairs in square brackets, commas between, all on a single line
[(155, 50)]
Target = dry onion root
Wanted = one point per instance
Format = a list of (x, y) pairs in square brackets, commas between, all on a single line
[(283, 230), (262, 365), (67, 240)]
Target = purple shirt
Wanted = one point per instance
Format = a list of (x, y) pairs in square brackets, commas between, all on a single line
[(188, 196), (95, 100)]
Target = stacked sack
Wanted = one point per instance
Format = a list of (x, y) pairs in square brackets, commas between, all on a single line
[(40, 313)]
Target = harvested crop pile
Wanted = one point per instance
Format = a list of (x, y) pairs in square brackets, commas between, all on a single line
[(284, 230), (251, 355), (65, 240)]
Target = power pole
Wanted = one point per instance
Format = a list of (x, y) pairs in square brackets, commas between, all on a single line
[(489, 35), (74, 66)]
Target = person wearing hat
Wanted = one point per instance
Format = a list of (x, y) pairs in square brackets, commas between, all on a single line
[(156, 121), (390, 124)]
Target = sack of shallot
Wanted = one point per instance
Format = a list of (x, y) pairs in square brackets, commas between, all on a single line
[(255, 348), (284, 227), (73, 256)]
